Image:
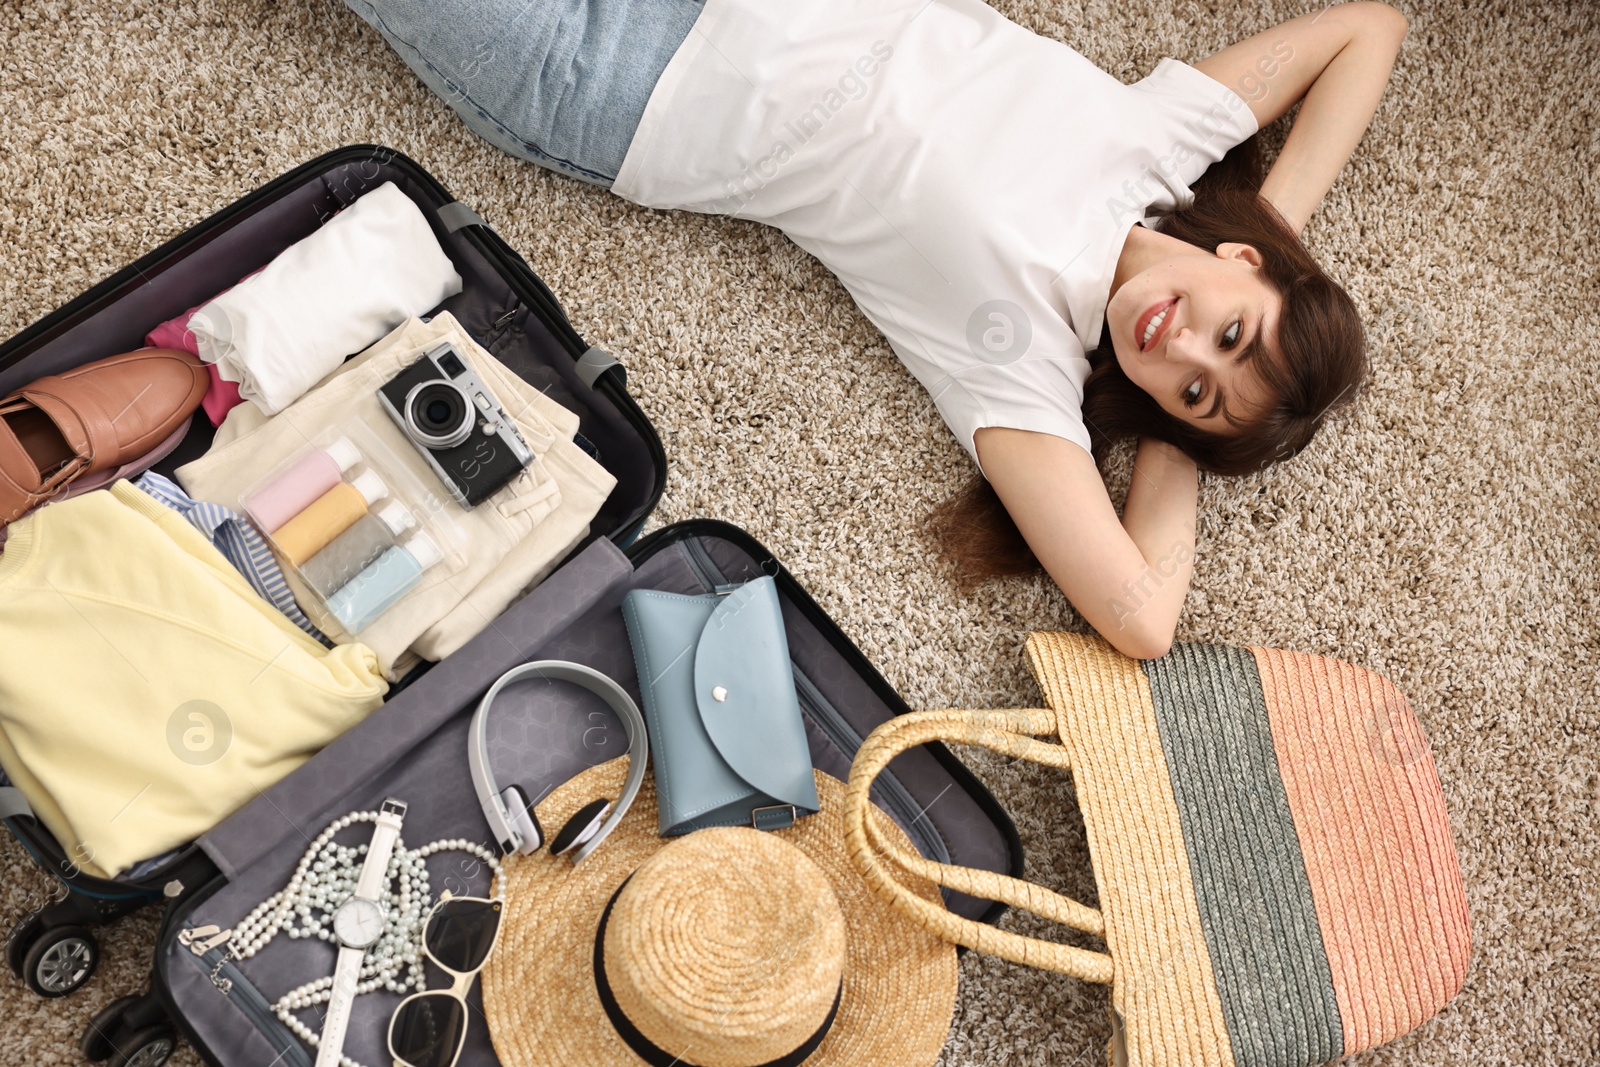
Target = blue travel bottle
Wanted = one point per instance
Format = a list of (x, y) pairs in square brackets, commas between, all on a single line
[(384, 581)]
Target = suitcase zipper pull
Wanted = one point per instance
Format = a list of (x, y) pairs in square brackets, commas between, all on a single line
[(213, 936), (202, 939), (186, 937)]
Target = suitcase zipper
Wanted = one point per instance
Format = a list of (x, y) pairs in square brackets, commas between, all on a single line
[(232, 983), (911, 817), (705, 570)]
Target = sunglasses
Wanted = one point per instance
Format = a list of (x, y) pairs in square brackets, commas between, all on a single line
[(428, 1029)]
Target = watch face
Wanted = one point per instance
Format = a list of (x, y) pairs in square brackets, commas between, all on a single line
[(358, 922)]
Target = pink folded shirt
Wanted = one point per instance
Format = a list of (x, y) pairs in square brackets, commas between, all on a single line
[(221, 395)]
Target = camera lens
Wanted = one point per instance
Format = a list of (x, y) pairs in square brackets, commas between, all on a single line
[(438, 414)]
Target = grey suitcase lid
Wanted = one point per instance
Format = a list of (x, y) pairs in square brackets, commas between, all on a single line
[(414, 748)]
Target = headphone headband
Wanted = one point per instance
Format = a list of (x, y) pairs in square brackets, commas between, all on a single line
[(616, 698)]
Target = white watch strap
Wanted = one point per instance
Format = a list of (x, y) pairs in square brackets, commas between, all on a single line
[(370, 884), (346, 975), (347, 972)]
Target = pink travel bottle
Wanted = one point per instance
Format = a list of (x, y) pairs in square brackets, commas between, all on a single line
[(311, 475)]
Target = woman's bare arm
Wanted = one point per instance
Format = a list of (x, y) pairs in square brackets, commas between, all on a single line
[(1126, 577), (1338, 61)]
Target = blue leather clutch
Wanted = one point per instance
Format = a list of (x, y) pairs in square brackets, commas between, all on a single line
[(726, 738)]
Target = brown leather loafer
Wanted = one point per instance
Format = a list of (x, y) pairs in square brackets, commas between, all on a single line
[(91, 418)]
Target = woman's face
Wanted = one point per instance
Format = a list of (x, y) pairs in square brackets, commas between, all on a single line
[(1206, 310)]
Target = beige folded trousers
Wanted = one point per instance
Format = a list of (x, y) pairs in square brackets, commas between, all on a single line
[(505, 545)]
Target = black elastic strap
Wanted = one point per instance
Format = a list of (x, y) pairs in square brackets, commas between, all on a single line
[(645, 1049)]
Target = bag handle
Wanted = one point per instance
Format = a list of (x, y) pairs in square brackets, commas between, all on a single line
[(1005, 732)]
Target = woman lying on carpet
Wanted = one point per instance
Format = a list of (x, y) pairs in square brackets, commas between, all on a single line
[(1019, 224)]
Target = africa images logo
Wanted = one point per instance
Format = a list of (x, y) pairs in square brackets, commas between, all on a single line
[(1215, 122), (999, 332), (199, 732), (804, 127)]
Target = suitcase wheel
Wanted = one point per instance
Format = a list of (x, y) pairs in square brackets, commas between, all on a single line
[(20, 939), (149, 1047), (60, 960), (98, 1040)]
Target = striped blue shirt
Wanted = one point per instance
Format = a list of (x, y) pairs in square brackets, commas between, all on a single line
[(238, 541)]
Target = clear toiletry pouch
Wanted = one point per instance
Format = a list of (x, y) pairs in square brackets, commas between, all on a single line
[(727, 741), (354, 526)]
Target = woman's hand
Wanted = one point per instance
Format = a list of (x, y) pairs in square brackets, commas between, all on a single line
[(1337, 61), (1126, 577)]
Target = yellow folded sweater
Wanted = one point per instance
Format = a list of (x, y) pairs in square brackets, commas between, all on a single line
[(146, 691)]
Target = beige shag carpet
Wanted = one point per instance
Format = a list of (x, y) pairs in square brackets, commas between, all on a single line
[(1443, 533)]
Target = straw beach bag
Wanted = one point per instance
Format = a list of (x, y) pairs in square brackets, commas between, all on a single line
[(1277, 883)]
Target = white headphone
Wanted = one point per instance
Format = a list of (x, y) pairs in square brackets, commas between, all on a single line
[(510, 814)]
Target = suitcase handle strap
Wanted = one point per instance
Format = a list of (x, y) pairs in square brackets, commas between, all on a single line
[(13, 804), (1009, 733)]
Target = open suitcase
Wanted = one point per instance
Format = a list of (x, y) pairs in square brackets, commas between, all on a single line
[(503, 304), (414, 745)]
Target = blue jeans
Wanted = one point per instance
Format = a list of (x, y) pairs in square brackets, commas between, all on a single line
[(562, 83)]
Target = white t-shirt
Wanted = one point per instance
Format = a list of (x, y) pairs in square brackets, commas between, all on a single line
[(970, 182)]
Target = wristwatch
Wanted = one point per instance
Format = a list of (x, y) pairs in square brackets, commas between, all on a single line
[(358, 923)]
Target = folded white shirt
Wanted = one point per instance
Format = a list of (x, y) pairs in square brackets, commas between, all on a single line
[(368, 269)]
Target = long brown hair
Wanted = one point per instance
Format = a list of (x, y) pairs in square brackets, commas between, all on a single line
[(1322, 362)]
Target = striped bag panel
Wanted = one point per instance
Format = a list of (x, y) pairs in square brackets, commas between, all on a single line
[(1162, 990), (1268, 832)]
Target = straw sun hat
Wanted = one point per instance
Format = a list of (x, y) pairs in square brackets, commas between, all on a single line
[(727, 947)]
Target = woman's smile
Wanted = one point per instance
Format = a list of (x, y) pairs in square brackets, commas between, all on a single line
[(1152, 325)]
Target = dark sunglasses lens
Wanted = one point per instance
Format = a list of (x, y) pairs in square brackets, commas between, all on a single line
[(461, 933), (427, 1030)]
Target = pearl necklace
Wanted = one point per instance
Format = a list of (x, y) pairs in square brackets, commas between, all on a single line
[(325, 878)]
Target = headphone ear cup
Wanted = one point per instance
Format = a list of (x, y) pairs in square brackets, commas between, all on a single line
[(581, 827), (519, 813)]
